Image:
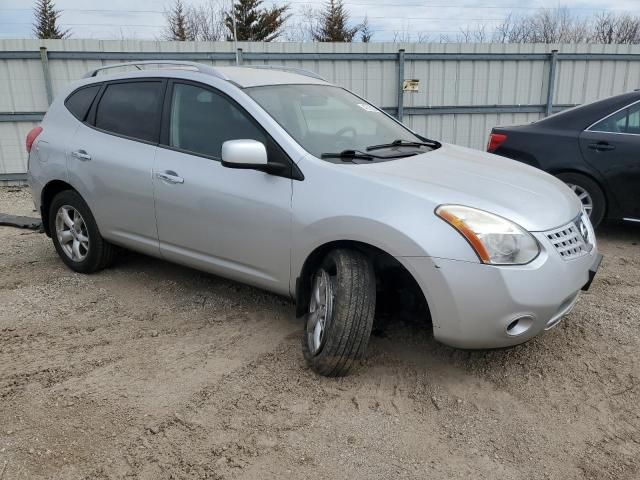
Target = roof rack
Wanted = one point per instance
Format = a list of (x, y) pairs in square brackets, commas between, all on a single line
[(200, 67), (299, 71)]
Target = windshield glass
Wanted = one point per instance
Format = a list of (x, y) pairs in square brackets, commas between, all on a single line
[(325, 118)]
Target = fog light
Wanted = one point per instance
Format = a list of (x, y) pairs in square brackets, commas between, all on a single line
[(519, 326)]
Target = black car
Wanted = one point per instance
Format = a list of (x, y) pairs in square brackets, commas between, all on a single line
[(593, 148)]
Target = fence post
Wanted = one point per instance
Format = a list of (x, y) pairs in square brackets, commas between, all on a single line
[(239, 56), (553, 59), (400, 113), (44, 59)]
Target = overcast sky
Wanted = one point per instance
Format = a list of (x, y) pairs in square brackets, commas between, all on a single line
[(144, 19)]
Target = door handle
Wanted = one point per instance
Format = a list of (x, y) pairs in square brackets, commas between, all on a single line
[(601, 146), (170, 177), (81, 155)]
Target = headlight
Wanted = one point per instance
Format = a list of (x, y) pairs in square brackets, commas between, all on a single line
[(496, 240)]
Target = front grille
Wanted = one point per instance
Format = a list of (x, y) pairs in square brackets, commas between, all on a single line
[(570, 241)]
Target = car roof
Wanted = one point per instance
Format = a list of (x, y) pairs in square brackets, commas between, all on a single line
[(253, 77), (583, 116), (241, 76)]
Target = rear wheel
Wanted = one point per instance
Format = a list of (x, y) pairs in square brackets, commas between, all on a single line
[(340, 314), (75, 234), (589, 193)]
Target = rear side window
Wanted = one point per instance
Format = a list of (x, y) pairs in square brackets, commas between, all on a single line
[(131, 109), (625, 121), (79, 102)]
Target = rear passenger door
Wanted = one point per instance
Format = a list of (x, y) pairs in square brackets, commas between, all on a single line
[(612, 146), (111, 161), (232, 222)]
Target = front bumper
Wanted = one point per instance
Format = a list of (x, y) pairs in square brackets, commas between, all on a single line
[(474, 305)]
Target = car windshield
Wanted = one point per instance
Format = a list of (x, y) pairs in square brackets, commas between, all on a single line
[(327, 120)]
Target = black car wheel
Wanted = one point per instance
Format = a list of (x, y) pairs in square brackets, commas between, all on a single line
[(340, 316), (589, 193)]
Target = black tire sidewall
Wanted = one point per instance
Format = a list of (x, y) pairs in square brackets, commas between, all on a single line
[(96, 243), (594, 190), (330, 360)]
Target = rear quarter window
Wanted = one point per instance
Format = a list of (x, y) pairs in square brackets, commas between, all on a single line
[(131, 109), (79, 102)]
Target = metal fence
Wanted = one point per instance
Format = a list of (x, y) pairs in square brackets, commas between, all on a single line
[(464, 89)]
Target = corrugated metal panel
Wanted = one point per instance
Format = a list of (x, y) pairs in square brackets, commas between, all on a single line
[(483, 81), (13, 156)]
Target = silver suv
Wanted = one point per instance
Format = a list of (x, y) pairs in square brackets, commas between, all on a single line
[(276, 178)]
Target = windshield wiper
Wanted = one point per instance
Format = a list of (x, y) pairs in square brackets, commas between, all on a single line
[(357, 154), (403, 143), (349, 154)]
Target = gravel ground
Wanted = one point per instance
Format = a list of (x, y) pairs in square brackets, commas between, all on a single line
[(150, 370)]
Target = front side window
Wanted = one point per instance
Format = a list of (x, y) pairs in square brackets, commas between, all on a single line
[(324, 118), (131, 109), (624, 121), (201, 121)]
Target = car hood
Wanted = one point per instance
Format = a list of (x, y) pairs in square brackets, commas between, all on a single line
[(530, 197)]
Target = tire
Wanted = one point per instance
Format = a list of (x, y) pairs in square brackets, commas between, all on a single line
[(350, 307), (92, 255), (584, 184)]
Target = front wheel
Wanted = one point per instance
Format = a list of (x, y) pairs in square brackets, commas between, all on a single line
[(589, 193), (340, 314)]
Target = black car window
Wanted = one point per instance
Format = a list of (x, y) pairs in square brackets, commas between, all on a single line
[(633, 120), (78, 102), (131, 109), (201, 121), (624, 121)]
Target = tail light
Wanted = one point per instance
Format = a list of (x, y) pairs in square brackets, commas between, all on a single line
[(495, 140), (31, 137)]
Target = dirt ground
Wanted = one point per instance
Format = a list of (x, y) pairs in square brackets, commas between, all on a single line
[(154, 371)]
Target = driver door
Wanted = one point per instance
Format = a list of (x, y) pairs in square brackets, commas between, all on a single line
[(232, 222)]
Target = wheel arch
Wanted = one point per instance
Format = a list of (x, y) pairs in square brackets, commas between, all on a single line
[(49, 191), (385, 266), (608, 200)]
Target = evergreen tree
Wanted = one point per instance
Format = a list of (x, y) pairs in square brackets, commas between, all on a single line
[(333, 24), (365, 31), (256, 24), (46, 17), (177, 25)]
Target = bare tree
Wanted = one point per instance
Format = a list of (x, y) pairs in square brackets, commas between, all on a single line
[(611, 28), (404, 36), (401, 36), (206, 21), (512, 30), (476, 35), (557, 25)]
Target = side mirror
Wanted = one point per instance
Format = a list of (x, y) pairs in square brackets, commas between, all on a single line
[(244, 154), (249, 155)]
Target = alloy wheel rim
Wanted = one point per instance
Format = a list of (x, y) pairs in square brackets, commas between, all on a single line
[(71, 231), (320, 311), (584, 196)]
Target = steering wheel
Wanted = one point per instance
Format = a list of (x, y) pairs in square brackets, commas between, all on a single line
[(344, 130)]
